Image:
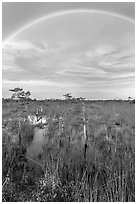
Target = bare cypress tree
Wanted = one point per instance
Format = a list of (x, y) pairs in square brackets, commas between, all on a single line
[(84, 131)]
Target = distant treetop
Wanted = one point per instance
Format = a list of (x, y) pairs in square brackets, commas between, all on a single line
[(16, 89), (19, 93)]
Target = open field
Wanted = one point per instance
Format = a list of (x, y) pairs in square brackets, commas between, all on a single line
[(88, 158)]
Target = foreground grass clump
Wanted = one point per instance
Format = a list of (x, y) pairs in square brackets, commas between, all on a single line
[(108, 177), (104, 173), (14, 143)]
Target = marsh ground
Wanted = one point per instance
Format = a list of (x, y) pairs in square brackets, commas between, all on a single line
[(53, 165)]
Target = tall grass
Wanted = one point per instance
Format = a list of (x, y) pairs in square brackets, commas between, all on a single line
[(105, 174)]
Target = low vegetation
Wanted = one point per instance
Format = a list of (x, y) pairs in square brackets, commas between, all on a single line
[(69, 168)]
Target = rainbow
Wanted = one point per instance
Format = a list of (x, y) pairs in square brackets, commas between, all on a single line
[(19, 31)]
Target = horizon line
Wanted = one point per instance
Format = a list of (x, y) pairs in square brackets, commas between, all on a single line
[(132, 98)]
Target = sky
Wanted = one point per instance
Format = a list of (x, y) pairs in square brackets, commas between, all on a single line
[(86, 49)]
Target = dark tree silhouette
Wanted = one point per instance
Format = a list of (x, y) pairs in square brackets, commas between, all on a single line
[(67, 96), (18, 93)]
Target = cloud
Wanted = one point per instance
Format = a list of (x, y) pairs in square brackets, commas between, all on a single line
[(109, 60), (32, 60), (87, 56)]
